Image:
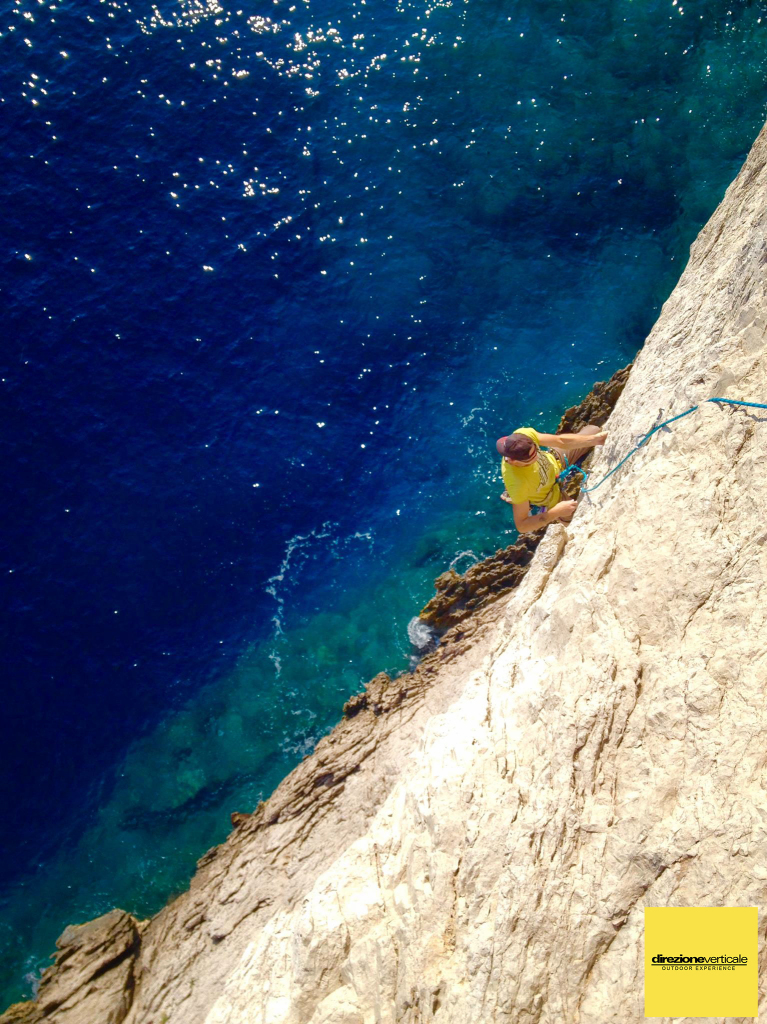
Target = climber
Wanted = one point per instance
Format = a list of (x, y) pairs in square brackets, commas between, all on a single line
[(530, 475)]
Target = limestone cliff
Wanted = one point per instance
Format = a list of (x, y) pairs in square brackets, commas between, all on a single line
[(476, 842)]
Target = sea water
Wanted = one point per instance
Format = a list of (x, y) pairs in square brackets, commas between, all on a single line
[(275, 277)]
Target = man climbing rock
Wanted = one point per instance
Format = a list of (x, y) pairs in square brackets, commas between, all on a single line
[(530, 474)]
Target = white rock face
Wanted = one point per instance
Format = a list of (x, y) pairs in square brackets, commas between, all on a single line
[(479, 847)]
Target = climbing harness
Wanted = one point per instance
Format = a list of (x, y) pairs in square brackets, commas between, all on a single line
[(586, 490)]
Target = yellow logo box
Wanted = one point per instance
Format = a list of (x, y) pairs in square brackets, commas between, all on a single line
[(701, 961)]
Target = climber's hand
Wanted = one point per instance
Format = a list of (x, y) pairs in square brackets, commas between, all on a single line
[(564, 510)]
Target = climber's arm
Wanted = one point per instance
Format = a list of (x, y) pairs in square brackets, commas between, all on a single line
[(568, 442), (525, 523)]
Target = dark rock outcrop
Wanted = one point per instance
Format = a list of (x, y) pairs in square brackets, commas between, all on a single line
[(23, 1013), (459, 595), (94, 966), (597, 405)]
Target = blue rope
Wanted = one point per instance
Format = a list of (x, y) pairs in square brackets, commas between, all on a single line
[(586, 490)]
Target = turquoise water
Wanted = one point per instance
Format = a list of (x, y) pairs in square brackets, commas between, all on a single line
[(426, 224)]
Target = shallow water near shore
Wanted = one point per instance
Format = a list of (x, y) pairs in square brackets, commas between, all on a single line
[(276, 278)]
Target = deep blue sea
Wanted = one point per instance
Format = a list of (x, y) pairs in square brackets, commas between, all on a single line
[(275, 275)]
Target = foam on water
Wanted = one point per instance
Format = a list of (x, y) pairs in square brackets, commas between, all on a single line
[(421, 635), (464, 559)]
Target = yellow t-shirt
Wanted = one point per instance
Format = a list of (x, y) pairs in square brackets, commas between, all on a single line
[(535, 483)]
